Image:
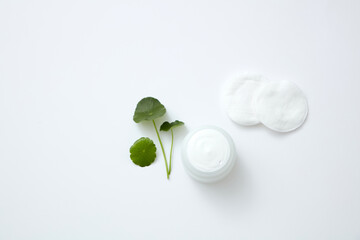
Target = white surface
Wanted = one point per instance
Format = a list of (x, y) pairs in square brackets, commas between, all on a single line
[(71, 73), (281, 106), (239, 96)]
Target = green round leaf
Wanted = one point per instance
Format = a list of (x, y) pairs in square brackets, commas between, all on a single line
[(148, 108), (143, 152), (166, 126)]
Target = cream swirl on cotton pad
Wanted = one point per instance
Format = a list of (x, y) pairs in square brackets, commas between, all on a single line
[(239, 95), (281, 106)]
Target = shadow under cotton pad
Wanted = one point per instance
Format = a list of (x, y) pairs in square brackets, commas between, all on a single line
[(281, 106)]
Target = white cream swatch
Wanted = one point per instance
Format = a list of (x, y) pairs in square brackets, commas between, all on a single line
[(281, 106), (239, 95)]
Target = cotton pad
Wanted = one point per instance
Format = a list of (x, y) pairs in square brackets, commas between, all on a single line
[(281, 106), (239, 95)]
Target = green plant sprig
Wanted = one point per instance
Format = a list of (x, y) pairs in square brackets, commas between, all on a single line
[(166, 126), (149, 109)]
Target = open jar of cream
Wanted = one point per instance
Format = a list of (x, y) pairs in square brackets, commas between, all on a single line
[(208, 154)]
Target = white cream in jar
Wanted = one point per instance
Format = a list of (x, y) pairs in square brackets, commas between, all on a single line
[(208, 154)]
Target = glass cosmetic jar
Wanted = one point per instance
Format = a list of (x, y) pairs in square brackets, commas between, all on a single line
[(208, 154)]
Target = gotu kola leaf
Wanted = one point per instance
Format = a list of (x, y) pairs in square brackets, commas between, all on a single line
[(148, 108), (143, 152), (166, 126)]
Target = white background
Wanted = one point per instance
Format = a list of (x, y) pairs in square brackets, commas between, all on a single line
[(72, 71)]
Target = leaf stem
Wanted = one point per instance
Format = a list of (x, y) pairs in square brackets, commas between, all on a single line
[(163, 151), (171, 149)]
